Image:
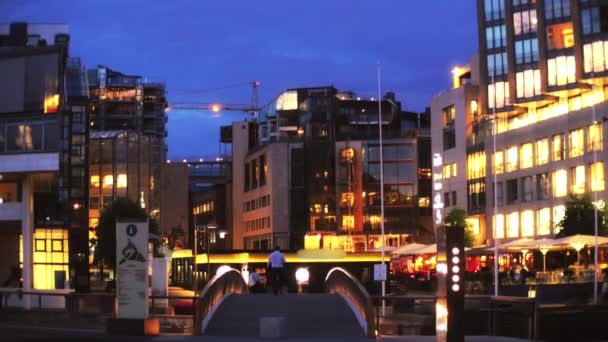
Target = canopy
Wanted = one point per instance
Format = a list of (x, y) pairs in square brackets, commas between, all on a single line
[(579, 241), (408, 249), (386, 249), (430, 249), (523, 242)]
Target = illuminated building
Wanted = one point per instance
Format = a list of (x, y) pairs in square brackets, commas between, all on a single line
[(127, 148), (306, 174), (542, 77), (43, 137)]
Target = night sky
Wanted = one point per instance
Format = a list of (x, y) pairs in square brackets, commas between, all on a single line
[(199, 46)]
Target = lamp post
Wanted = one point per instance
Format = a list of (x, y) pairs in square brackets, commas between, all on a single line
[(381, 189)]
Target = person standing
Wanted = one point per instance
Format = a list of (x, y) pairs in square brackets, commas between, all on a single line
[(276, 263)]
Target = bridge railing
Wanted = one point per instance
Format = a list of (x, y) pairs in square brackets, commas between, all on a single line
[(230, 282), (340, 281)]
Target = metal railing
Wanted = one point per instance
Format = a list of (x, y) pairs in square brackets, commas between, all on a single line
[(230, 282), (342, 282), (20, 293)]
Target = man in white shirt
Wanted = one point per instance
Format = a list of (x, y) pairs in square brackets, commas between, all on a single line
[(276, 262)]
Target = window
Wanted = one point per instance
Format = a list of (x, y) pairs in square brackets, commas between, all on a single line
[(494, 9), (560, 36), (476, 196), (121, 181), (424, 202), (594, 20), (524, 22), (247, 178), (526, 51), (255, 174), (449, 170), (499, 194), (577, 143), (542, 186), (597, 176), (94, 202), (526, 186), (108, 181), (512, 158), (559, 212), (496, 37), (50, 258), (498, 95), (449, 116), (499, 162), (449, 134), (95, 182), (578, 179), (527, 223), (513, 225), (497, 64), (446, 199), (348, 222), (476, 165), (555, 9), (560, 183), (558, 147), (561, 70), (594, 138), (512, 191), (24, 137), (542, 151), (526, 157), (543, 221), (595, 56), (528, 83), (263, 169), (499, 224), (454, 202)]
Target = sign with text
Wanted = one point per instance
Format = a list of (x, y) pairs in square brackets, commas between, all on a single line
[(132, 269), (380, 272)]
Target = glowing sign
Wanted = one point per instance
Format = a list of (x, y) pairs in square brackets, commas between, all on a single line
[(437, 160)]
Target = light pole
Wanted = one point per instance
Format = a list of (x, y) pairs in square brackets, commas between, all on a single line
[(195, 252), (494, 132), (383, 293)]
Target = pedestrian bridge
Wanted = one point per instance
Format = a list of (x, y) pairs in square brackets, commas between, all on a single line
[(225, 308)]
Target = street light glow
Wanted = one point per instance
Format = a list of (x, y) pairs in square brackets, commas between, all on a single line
[(216, 107)]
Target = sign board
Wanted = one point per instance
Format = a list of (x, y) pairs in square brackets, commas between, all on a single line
[(132, 269), (380, 272)]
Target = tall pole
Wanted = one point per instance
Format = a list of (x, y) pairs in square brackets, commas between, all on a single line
[(494, 132), (381, 186), (194, 259), (208, 253), (595, 147)]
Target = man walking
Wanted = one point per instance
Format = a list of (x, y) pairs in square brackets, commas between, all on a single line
[(276, 262)]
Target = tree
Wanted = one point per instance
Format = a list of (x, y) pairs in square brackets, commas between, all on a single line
[(579, 216), (105, 241), (457, 217)]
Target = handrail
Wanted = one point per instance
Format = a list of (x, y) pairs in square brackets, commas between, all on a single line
[(340, 281), (230, 282)]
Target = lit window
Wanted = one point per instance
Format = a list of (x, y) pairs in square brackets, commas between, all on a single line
[(528, 83), (499, 223), (108, 181), (527, 223), (559, 212), (512, 159), (524, 22), (578, 180), (597, 176), (513, 225), (594, 137), (558, 147), (447, 171), (51, 104), (347, 199), (95, 182), (348, 222), (542, 151), (499, 162), (543, 219), (347, 154), (121, 181), (577, 143), (473, 224), (50, 257), (561, 70), (424, 202), (595, 56), (560, 183), (526, 158), (498, 95), (476, 165)]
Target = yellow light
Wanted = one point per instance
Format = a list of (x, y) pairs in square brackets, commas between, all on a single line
[(302, 256), (51, 104), (121, 180), (216, 107), (300, 131), (108, 181)]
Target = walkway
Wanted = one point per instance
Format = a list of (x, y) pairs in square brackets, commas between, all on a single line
[(306, 316)]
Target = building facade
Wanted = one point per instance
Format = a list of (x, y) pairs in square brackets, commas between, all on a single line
[(311, 177), (541, 103), (43, 139)]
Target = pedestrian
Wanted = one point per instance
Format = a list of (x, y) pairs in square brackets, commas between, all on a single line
[(276, 263), (255, 285)]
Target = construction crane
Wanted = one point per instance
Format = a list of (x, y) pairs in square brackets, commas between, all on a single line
[(218, 107)]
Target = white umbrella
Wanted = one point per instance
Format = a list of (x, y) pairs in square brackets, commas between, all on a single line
[(544, 245), (579, 241), (386, 249), (523, 242), (430, 249), (408, 249)]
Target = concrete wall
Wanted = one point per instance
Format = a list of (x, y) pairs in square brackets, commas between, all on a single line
[(240, 138)]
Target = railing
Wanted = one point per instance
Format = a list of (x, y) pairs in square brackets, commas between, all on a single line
[(35, 297), (230, 282), (342, 282)]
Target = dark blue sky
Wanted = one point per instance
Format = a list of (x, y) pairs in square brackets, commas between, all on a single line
[(199, 45)]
